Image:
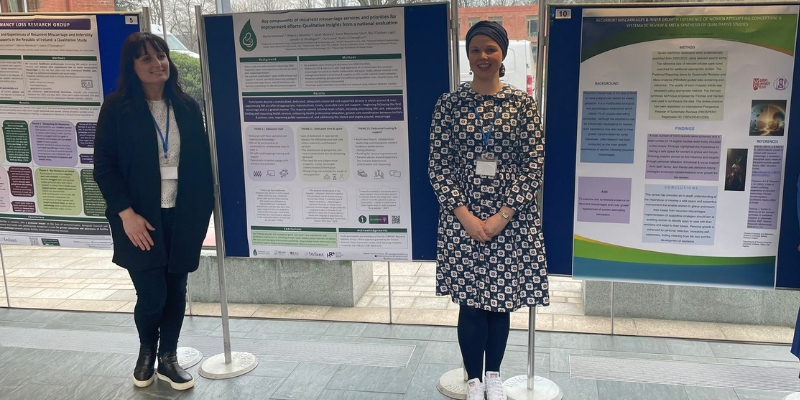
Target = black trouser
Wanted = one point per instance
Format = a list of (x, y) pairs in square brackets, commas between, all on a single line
[(482, 332), (161, 299)]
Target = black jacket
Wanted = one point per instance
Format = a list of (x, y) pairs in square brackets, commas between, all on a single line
[(127, 170)]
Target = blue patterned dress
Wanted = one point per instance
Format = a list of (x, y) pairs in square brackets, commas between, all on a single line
[(509, 271)]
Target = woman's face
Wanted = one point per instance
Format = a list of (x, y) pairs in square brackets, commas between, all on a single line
[(152, 67), (485, 57)]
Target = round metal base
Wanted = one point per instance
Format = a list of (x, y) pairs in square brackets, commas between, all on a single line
[(453, 385), (543, 389), (188, 357), (793, 396), (241, 363)]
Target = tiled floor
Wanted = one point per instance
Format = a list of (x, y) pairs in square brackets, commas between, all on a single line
[(102, 350), (85, 279)]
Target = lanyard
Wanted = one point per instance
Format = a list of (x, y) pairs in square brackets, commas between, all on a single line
[(487, 134), (164, 141)]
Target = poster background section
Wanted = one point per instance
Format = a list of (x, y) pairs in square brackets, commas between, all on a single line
[(428, 75), (112, 30), (562, 100)]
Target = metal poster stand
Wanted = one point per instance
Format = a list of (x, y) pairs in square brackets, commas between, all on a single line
[(228, 364), (530, 386)]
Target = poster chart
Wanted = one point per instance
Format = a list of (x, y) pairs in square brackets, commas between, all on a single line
[(325, 134), (682, 135), (50, 96)]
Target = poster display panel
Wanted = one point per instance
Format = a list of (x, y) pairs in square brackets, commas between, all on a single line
[(325, 133), (682, 137), (50, 96)]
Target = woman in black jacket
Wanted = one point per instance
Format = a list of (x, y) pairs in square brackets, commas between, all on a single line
[(153, 166)]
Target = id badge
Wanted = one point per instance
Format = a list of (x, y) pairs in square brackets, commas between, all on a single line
[(169, 173), (487, 168)]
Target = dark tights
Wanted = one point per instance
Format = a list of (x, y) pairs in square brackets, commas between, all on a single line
[(482, 332)]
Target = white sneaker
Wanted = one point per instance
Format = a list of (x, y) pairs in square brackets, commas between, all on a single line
[(475, 389), (494, 386)]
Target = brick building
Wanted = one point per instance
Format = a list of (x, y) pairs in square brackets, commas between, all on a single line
[(45, 6), (521, 22)]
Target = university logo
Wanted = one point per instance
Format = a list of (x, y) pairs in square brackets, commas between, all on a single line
[(247, 38), (781, 84), (760, 83)]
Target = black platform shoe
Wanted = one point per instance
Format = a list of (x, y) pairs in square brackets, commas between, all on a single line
[(144, 373), (169, 370)]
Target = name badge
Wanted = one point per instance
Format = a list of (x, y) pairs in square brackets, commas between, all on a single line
[(169, 173), (486, 168)]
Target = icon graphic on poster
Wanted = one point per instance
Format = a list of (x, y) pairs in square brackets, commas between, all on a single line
[(378, 174), (326, 177), (362, 174), (394, 173), (284, 173), (271, 172), (362, 219)]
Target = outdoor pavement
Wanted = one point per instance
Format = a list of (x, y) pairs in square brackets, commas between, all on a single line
[(85, 279)]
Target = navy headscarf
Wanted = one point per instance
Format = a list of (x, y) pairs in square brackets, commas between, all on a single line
[(491, 29)]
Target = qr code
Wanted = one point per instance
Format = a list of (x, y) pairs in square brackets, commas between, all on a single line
[(35, 241), (87, 83), (395, 219)]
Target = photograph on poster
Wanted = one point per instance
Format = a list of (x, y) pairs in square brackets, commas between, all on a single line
[(767, 117), (736, 170)]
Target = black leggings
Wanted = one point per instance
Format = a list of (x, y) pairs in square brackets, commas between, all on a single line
[(482, 332), (161, 300)]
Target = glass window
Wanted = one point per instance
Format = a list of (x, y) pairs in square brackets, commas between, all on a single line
[(499, 20), (533, 26), (472, 21)]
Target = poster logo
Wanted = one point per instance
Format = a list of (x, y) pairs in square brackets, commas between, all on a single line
[(781, 84), (247, 38), (760, 83)]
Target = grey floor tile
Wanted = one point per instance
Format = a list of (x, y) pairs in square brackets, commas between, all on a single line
[(242, 387), (752, 351), (621, 354), (241, 324), (629, 344), (694, 348), (201, 323), (704, 393), (307, 381), (90, 318), (36, 391), (639, 391), (442, 353), (559, 358), (575, 389), (759, 395), (282, 336), (346, 329), (274, 369), (22, 324), (93, 328), (292, 327), (516, 363), (760, 363), (348, 395), (234, 334), (398, 331), (701, 360), (377, 379), (520, 338), (423, 383), (570, 341), (444, 334)]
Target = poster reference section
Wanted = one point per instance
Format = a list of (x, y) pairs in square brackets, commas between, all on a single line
[(50, 95), (682, 142), (325, 134)]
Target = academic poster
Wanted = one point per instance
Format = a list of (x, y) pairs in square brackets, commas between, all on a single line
[(683, 129), (325, 134), (50, 96)]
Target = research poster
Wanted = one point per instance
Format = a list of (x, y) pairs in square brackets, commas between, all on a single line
[(683, 127), (325, 134), (50, 96)]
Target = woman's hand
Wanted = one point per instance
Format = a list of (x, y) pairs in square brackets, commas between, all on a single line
[(472, 224), (494, 225), (136, 227)]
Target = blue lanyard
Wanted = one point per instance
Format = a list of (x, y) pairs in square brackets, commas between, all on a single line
[(164, 142), (487, 134)]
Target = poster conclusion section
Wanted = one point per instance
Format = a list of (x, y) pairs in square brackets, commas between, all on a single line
[(325, 134), (682, 143), (50, 96)]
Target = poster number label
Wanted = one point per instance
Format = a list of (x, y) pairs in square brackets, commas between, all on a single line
[(565, 13), (132, 20)]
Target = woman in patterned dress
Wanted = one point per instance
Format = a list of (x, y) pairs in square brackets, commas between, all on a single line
[(485, 165)]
